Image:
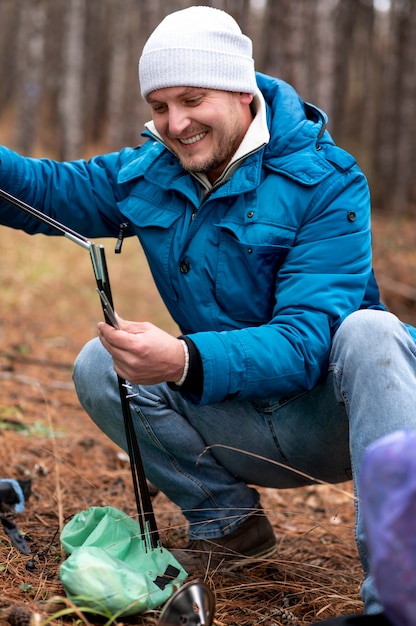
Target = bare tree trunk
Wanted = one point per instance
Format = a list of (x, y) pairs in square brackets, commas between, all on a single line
[(98, 44), (272, 49), (344, 23), (406, 132), (240, 10), (388, 120), (121, 72), (9, 20), (369, 77), (323, 66), (31, 33), (296, 45), (72, 94)]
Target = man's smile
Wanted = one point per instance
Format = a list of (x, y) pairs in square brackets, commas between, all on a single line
[(191, 140)]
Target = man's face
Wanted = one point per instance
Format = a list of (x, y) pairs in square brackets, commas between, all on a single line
[(203, 127)]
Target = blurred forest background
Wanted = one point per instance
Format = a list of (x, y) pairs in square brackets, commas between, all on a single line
[(69, 87)]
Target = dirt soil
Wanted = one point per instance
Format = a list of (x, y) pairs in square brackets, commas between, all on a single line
[(49, 309)]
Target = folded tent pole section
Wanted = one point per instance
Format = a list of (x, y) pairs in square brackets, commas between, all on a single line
[(146, 517)]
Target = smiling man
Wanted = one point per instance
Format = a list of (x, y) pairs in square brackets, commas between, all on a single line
[(256, 227)]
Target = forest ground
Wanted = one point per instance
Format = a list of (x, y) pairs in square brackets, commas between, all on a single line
[(49, 309)]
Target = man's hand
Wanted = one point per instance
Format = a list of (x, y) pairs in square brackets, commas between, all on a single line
[(143, 353)]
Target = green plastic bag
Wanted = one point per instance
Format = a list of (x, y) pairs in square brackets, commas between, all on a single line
[(110, 566)]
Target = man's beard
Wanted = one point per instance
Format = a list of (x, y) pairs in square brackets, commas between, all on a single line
[(218, 161), (204, 167)]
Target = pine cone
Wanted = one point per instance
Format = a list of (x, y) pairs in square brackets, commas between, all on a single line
[(19, 617), (285, 617)]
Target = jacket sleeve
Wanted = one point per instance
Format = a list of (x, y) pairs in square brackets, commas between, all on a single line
[(322, 280), (81, 194)]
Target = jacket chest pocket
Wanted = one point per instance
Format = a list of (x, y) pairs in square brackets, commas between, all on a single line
[(248, 262), (157, 228)]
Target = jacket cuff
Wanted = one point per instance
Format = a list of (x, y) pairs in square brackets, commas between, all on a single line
[(194, 380)]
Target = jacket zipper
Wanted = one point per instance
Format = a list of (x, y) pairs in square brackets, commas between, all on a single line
[(223, 179)]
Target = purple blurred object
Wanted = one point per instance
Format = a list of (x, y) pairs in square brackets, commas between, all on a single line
[(388, 495)]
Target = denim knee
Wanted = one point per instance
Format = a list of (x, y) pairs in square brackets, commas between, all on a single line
[(373, 358), (368, 325), (82, 361), (366, 333), (90, 368)]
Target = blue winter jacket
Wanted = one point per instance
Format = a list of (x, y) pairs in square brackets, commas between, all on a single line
[(269, 266)]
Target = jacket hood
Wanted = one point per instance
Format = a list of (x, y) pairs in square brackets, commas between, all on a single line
[(293, 123), (297, 133)]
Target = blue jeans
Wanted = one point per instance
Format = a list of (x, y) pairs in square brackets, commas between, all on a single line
[(205, 458)]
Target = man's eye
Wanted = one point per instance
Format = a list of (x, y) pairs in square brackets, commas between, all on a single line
[(193, 102)]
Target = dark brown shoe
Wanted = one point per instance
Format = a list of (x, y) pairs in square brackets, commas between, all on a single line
[(251, 542)]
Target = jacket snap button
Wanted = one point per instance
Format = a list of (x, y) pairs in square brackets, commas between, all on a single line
[(250, 250), (352, 216), (184, 267), (250, 214)]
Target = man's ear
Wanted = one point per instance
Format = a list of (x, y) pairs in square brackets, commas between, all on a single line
[(246, 98)]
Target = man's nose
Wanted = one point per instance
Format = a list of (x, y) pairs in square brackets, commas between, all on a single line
[(178, 120)]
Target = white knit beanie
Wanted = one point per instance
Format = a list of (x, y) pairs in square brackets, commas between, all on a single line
[(197, 47)]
